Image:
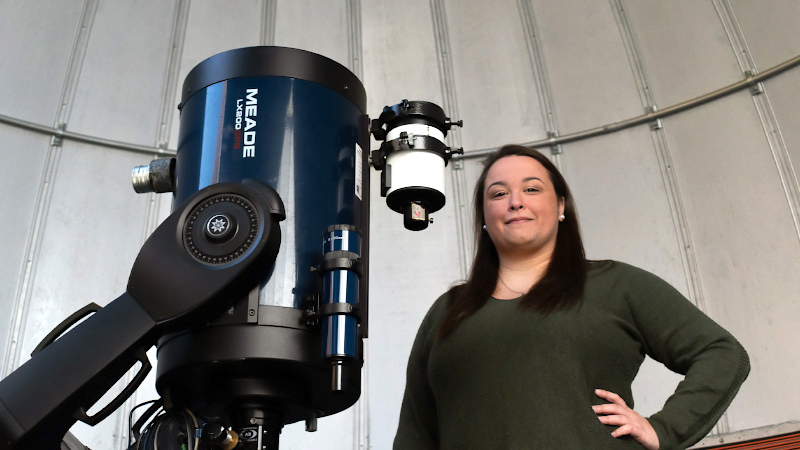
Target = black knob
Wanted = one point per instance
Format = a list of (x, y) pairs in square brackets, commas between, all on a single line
[(220, 227)]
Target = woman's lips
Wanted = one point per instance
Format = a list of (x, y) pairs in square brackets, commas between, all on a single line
[(517, 220)]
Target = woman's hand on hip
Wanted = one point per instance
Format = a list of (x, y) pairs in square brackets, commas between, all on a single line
[(628, 420)]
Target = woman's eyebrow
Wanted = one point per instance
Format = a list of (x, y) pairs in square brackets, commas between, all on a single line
[(524, 180)]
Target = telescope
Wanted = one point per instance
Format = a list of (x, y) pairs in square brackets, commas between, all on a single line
[(255, 288)]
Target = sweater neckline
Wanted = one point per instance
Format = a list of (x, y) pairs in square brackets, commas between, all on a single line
[(505, 299)]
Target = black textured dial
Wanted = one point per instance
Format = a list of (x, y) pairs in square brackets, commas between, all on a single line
[(220, 229)]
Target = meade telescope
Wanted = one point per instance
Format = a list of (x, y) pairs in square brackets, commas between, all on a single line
[(255, 288)]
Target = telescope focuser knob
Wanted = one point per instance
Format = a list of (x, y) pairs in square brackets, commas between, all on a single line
[(218, 437)]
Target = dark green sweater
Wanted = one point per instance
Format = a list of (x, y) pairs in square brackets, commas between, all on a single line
[(512, 379)]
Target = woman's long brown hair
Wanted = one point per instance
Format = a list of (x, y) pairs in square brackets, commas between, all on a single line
[(561, 287)]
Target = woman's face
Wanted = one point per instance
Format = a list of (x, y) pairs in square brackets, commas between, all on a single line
[(520, 207)]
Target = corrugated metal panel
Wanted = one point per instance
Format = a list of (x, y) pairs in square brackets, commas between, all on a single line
[(493, 75), (399, 54), (685, 48), (35, 40), (623, 207), (319, 27), (770, 31), (590, 76), (770, 28), (23, 156), (123, 74)]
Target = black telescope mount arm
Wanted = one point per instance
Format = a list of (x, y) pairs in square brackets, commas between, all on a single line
[(208, 253)]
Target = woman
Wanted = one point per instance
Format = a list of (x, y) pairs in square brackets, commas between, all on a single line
[(538, 349)]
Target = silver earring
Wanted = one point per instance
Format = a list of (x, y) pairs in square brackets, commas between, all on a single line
[(562, 217), (484, 226)]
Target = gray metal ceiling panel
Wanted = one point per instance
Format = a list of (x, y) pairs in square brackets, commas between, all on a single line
[(746, 247), (94, 231), (784, 96), (622, 203), (319, 27), (399, 54), (494, 80), (22, 157), (770, 29), (685, 48), (36, 39), (122, 79), (587, 64), (214, 27)]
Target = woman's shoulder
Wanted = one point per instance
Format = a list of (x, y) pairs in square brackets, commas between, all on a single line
[(438, 308), (619, 273)]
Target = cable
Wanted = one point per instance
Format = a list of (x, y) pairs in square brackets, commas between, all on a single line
[(134, 428), (196, 426)]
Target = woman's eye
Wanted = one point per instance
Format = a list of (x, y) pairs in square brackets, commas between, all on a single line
[(531, 189), (498, 194)]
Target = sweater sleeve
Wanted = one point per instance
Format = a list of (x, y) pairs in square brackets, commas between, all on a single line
[(677, 334), (418, 427)]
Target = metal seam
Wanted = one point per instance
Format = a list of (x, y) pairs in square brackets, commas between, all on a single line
[(450, 105), (664, 156), (268, 12), (23, 295), (354, 51), (769, 122), (540, 74), (172, 69)]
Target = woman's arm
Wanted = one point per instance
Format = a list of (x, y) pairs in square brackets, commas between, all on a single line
[(677, 334)]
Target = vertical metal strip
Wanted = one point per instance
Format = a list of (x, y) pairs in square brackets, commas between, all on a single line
[(268, 13), (22, 299), (461, 193), (661, 146), (361, 421), (769, 121), (354, 51), (171, 81), (541, 79)]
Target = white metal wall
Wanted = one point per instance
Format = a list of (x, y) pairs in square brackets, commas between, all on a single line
[(708, 200)]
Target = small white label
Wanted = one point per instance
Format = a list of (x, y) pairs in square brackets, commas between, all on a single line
[(417, 212), (359, 162)]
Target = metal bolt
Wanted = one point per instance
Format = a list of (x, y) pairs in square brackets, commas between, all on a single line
[(252, 312)]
